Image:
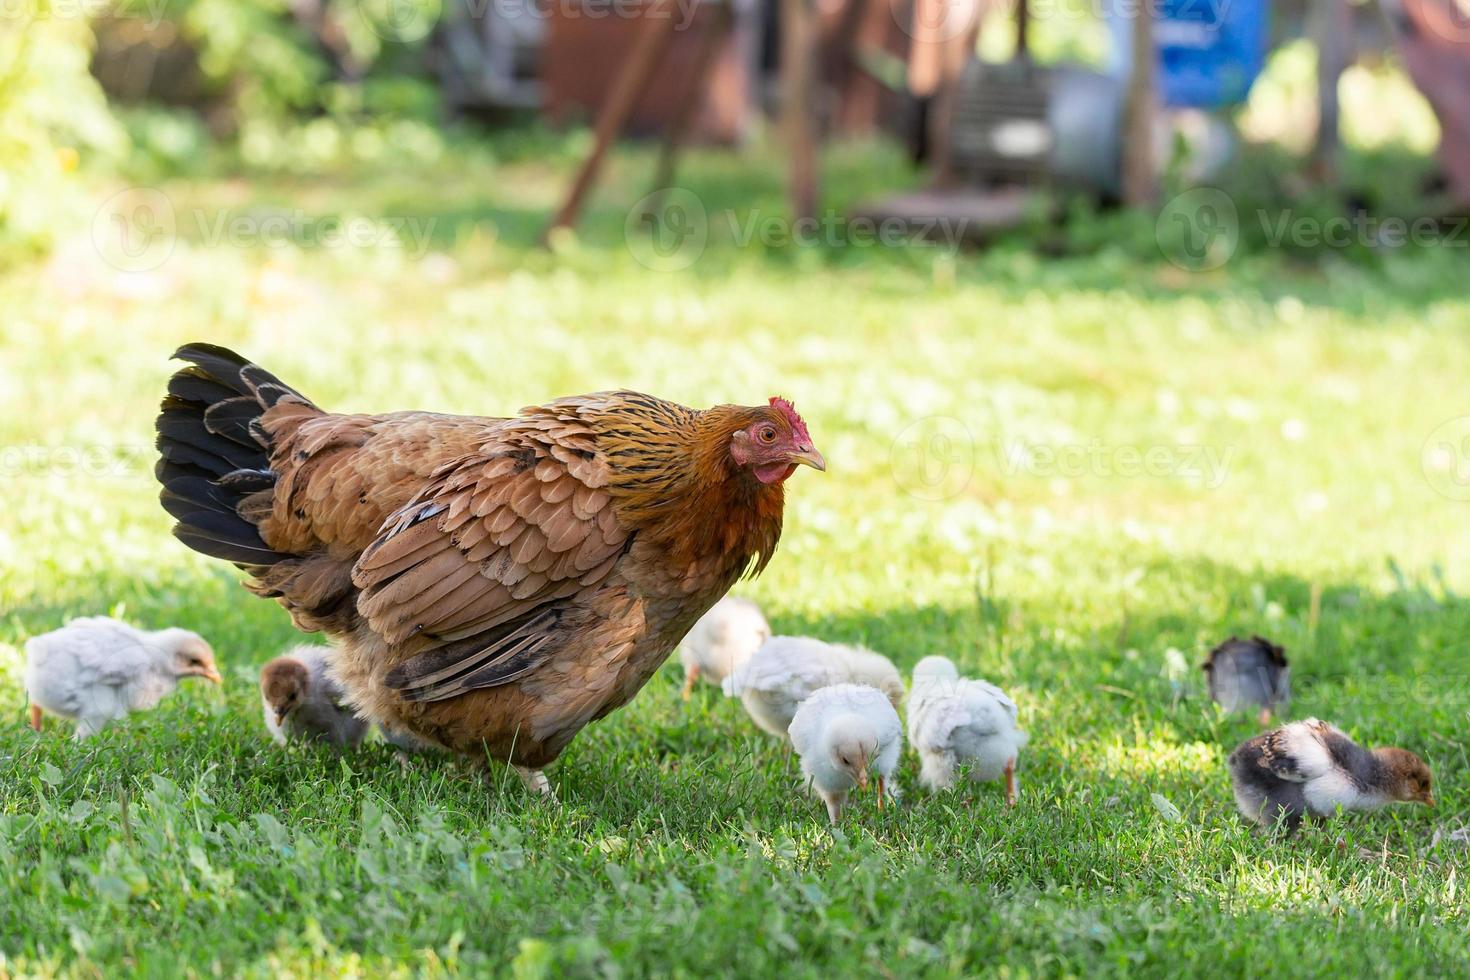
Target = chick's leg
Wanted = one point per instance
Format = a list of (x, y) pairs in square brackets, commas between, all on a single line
[(535, 781), (1010, 772), (834, 803), (691, 675), (36, 717)]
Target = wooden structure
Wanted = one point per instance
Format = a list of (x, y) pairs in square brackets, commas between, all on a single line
[(702, 81), (1433, 38)]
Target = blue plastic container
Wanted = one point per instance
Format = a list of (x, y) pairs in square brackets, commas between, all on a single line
[(1210, 51)]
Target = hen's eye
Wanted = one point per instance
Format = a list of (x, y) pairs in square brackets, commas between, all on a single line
[(768, 434)]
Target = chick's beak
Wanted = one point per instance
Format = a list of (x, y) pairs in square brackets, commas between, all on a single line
[(212, 675), (808, 456), (1429, 799), (862, 778)]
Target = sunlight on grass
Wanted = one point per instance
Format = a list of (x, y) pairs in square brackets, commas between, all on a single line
[(990, 496)]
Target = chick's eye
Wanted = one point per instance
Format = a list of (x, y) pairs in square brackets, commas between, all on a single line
[(767, 434)]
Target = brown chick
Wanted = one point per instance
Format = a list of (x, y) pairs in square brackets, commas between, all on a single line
[(491, 585), (301, 702)]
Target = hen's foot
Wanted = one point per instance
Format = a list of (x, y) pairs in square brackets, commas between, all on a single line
[(36, 717), (535, 780)]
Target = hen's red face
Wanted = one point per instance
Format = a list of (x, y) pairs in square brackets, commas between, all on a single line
[(775, 444)]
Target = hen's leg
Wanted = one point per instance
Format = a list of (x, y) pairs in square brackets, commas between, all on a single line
[(691, 675), (1010, 772), (535, 781), (1264, 718), (36, 717)]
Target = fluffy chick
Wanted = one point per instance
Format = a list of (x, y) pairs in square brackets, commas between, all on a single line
[(724, 638), (952, 719), (787, 669), (301, 701), (1246, 674), (1310, 768), (96, 670), (841, 733)]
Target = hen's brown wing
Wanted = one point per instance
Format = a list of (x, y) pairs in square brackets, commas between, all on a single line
[(481, 572)]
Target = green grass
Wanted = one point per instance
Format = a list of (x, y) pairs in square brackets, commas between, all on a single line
[(184, 841)]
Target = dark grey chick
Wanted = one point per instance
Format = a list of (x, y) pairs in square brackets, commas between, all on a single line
[(1310, 769), (1247, 674)]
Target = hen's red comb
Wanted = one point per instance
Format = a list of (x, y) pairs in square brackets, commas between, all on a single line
[(798, 424)]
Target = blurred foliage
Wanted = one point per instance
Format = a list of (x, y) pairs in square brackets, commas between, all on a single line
[(53, 117)]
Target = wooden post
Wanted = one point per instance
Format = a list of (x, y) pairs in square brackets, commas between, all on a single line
[(956, 46), (658, 29), (722, 16), (1140, 177), (798, 111), (1330, 24)]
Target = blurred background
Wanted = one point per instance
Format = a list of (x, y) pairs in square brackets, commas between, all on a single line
[(1063, 126)]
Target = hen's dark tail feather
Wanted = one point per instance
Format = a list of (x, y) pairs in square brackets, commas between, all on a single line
[(214, 455)]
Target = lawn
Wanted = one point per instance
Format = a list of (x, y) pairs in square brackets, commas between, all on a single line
[(1072, 475)]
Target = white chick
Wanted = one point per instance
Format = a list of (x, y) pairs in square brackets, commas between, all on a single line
[(787, 669), (96, 670), (841, 732), (953, 719), (302, 702), (724, 638)]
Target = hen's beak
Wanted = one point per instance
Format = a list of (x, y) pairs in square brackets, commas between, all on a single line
[(809, 456)]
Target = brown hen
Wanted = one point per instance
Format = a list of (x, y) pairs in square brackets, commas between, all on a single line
[(492, 585)]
